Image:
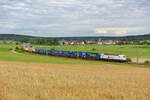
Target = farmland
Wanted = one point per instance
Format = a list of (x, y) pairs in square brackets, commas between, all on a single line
[(25, 76), (32, 81)]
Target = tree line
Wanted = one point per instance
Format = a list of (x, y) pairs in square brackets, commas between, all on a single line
[(40, 41)]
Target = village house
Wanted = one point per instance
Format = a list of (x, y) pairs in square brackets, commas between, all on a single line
[(71, 42), (142, 41), (131, 42), (98, 41), (7, 42), (1, 42), (90, 42), (66, 43), (148, 41), (10, 42), (81, 42), (117, 41), (108, 42), (61, 42)]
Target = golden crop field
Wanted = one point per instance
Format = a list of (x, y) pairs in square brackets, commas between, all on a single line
[(31, 81)]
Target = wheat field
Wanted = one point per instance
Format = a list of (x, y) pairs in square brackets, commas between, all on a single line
[(31, 81)]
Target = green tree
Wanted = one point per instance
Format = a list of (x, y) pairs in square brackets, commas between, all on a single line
[(137, 42), (53, 41), (41, 41), (25, 40)]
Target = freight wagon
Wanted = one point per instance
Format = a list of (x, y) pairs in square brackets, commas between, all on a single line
[(82, 55)]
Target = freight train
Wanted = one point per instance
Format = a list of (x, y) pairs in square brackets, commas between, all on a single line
[(81, 55)]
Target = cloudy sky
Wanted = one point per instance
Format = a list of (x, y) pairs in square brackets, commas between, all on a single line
[(66, 18)]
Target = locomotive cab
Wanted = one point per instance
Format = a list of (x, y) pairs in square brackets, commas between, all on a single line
[(123, 57)]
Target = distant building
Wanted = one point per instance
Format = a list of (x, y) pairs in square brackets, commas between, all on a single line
[(99, 40), (60, 42), (148, 41), (108, 42), (81, 42), (142, 42), (10, 42), (117, 41), (131, 42), (91, 42), (1, 42), (7, 42)]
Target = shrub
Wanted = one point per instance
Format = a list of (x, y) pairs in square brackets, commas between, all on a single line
[(129, 60), (11, 49), (17, 43), (52, 48), (147, 62), (17, 48), (93, 49)]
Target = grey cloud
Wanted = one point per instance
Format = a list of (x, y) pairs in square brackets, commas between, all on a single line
[(73, 17)]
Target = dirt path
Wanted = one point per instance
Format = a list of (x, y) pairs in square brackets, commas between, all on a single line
[(13, 51), (141, 60)]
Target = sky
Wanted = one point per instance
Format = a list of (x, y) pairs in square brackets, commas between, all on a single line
[(67, 18)]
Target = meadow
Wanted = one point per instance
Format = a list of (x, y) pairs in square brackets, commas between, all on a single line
[(128, 50), (7, 55), (25, 76)]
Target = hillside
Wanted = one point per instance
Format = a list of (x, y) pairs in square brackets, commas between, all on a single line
[(13, 37), (125, 38)]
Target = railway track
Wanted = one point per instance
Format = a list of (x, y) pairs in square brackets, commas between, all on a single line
[(131, 63)]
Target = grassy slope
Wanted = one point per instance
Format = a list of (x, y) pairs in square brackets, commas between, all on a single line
[(129, 50), (7, 55)]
